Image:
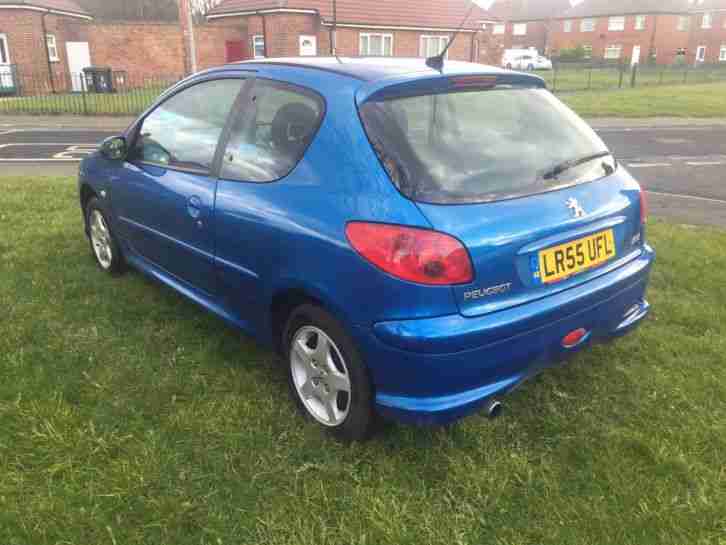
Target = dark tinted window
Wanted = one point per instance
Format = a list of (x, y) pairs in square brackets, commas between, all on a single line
[(482, 145), (278, 124), (183, 131)]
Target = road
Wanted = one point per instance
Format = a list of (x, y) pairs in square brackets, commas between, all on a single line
[(682, 167)]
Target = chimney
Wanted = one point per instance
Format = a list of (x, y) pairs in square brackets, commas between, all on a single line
[(190, 46)]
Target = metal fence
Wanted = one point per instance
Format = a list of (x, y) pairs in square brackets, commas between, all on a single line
[(98, 91), (600, 76), (107, 92)]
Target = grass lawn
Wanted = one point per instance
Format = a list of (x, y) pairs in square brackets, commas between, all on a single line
[(702, 100), (130, 416)]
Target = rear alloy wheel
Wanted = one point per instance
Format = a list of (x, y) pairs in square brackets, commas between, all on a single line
[(103, 244), (327, 377)]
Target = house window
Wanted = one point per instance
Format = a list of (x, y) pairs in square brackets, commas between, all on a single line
[(683, 23), (519, 29), (52, 47), (701, 53), (639, 22), (499, 29), (567, 26), (588, 51), (707, 20), (431, 46), (4, 50), (376, 45), (722, 54), (587, 25), (258, 46), (616, 23), (613, 51)]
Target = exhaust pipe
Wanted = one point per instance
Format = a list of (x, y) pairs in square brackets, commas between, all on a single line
[(494, 408)]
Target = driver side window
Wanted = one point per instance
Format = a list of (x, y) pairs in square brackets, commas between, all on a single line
[(183, 131)]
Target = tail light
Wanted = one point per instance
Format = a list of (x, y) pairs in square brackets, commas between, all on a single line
[(643, 207), (417, 255)]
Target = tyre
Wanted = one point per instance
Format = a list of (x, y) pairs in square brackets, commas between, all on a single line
[(327, 376), (104, 246)]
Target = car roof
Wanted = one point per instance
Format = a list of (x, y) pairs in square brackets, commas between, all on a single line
[(371, 69)]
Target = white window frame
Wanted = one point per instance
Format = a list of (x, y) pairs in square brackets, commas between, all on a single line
[(616, 23), (701, 53), (52, 45), (567, 25), (722, 53), (423, 46), (499, 28), (612, 48), (369, 35), (519, 29), (588, 25), (707, 20), (640, 22), (684, 23), (4, 39), (255, 39)]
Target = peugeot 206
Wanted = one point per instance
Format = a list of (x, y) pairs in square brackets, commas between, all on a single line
[(414, 239)]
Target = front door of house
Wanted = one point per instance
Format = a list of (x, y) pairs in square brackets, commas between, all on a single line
[(700, 54), (7, 81), (79, 57), (308, 46), (635, 57)]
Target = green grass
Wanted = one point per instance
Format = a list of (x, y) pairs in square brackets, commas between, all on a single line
[(130, 416), (703, 100)]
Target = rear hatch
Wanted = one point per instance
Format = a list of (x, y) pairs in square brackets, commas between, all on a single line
[(528, 188)]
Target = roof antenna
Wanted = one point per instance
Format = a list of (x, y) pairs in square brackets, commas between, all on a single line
[(437, 62)]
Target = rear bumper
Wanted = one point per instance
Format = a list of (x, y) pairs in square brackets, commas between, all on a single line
[(439, 369)]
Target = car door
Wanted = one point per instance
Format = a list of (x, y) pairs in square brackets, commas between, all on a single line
[(164, 199)]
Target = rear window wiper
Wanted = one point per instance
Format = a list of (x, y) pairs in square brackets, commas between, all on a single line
[(556, 170)]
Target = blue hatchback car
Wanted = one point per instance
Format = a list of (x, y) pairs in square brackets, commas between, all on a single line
[(414, 242)]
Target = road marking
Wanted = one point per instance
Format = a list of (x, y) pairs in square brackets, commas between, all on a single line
[(648, 165), (703, 163), (689, 197), (652, 129)]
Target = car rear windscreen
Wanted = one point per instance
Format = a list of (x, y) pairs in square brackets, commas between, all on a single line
[(482, 145)]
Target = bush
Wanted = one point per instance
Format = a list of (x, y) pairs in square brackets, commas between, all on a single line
[(572, 54)]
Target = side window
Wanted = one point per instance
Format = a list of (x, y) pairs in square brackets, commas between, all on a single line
[(183, 131), (278, 125)]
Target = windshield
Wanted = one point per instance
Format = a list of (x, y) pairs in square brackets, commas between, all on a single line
[(479, 146)]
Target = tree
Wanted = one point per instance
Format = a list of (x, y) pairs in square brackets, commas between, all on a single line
[(200, 8), (132, 10)]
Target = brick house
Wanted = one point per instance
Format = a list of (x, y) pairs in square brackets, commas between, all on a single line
[(637, 31), (401, 28), (40, 37), (526, 23)]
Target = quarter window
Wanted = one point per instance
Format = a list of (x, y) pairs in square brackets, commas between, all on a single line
[(639, 22), (258, 46), (432, 46), (184, 131), (52, 47), (376, 45), (519, 29), (616, 23), (587, 25), (613, 51), (276, 127)]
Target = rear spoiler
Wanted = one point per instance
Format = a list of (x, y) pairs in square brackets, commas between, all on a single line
[(418, 84)]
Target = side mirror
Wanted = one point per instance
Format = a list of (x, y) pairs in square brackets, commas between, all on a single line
[(115, 148)]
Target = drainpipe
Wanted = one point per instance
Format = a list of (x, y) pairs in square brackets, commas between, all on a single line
[(264, 36), (47, 50), (472, 54), (334, 32)]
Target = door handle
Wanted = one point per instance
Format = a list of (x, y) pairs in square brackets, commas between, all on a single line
[(194, 207)]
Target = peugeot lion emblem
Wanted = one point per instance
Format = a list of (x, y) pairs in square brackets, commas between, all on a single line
[(577, 210)]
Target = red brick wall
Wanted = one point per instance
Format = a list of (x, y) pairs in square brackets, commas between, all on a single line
[(712, 38), (211, 42), (537, 36), (26, 45), (660, 36), (283, 31)]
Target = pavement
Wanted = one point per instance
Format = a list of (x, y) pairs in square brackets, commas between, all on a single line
[(680, 162)]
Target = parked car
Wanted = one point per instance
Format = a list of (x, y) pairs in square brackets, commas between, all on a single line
[(525, 59), (415, 243)]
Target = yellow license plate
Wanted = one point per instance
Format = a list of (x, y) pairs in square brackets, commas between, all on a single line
[(560, 262)]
